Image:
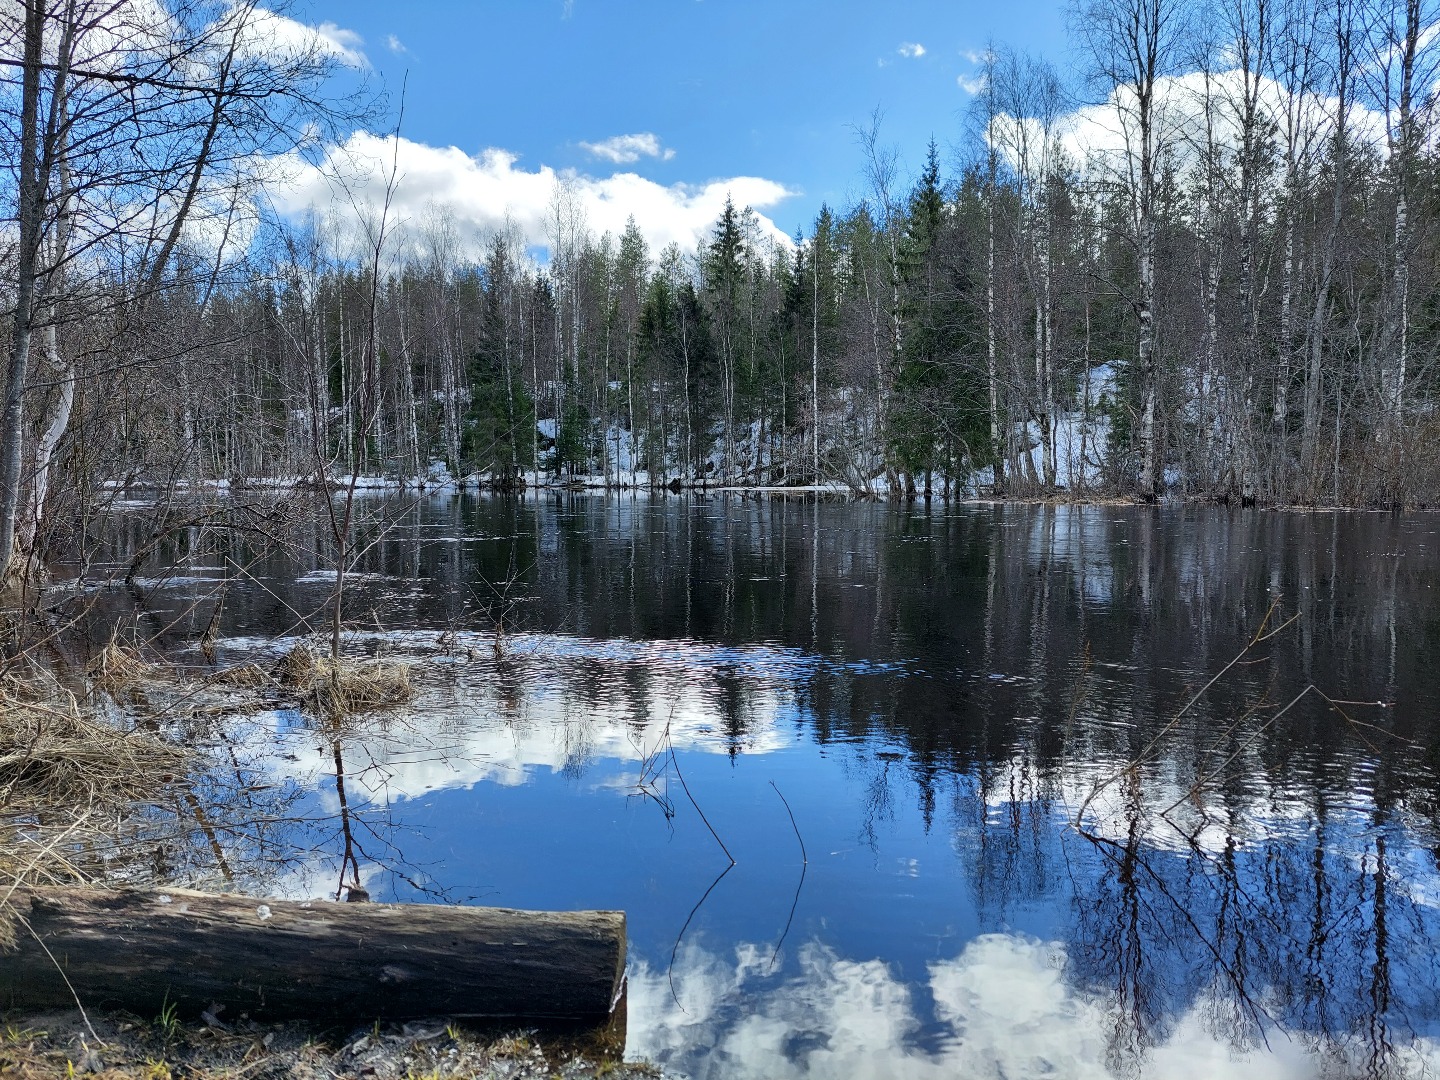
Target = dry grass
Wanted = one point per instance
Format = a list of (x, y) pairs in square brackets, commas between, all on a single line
[(244, 677), (344, 687), (118, 667), (67, 777), (55, 755), (152, 1048)]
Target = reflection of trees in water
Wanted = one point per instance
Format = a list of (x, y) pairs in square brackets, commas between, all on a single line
[(239, 825), (1288, 886), (1278, 920)]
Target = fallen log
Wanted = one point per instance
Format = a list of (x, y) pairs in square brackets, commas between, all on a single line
[(318, 960)]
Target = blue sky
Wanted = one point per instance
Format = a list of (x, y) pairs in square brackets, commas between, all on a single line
[(726, 88)]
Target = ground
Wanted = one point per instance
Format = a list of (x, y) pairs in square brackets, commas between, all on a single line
[(163, 1048)]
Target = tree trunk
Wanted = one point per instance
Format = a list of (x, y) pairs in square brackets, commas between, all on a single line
[(992, 372), (56, 421), (1150, 478), (317, 960), (31, 202)]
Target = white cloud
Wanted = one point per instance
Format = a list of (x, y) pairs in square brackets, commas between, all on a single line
[(267, 33), (488, 192), (971, 84), (344, 45), (1096, 135), (115, 33), (627, 149), (394, 44), (911, 50)]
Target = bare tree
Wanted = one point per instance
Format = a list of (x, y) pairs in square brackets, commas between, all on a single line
[(1030, 102), (1399, 76), (987, 112), (132, 122), (1340, 28), (1133, 45)]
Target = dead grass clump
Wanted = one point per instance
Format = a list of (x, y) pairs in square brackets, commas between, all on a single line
[(67, 778), (358, 686), (54, 755), (243, 677), (298, 667), (118, 667), (344, 687)]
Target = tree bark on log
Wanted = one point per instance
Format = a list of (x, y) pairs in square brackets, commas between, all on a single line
[(314, 960)]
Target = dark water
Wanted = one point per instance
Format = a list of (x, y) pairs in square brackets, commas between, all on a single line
[(1014, 850)]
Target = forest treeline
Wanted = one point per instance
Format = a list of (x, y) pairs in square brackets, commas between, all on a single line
[(1204, 265)]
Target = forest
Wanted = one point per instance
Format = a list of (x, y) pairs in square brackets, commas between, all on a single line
[(1198, 264)]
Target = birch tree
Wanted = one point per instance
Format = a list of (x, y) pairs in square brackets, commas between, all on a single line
[(129, 125), (1132, 46)]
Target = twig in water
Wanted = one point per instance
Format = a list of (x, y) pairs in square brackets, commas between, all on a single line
[(804, 868), (804, 858), (649, 774), (679, 776), (670, 972), (1200, 784), (1260, 635)]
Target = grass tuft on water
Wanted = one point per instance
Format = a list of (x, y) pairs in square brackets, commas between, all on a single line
[(244, 677), (344, 687), (118, 667)]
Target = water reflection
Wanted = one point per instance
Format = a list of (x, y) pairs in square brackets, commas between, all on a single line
[(1006, 1007), (1024, 855)]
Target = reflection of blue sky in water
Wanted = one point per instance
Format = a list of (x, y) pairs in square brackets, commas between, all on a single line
[(916, 703), (916, 947)]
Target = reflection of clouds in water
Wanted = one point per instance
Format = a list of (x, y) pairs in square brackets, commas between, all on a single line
[(1004, 1007), (1162, 806), (470, 728), (315, 875)]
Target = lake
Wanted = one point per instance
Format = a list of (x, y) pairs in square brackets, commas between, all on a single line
[(883, 789)]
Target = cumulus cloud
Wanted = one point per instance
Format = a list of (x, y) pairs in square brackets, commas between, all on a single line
[(1098, 135), (344, 45), (627, 149), (269, 34), (394, 44), (911, 50), (487, 192), (971, 84), (123, 29)]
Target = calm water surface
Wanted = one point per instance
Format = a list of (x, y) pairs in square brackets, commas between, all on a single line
[(975, 830)]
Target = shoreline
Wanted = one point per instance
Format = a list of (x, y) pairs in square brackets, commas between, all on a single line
[(141, 495)]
